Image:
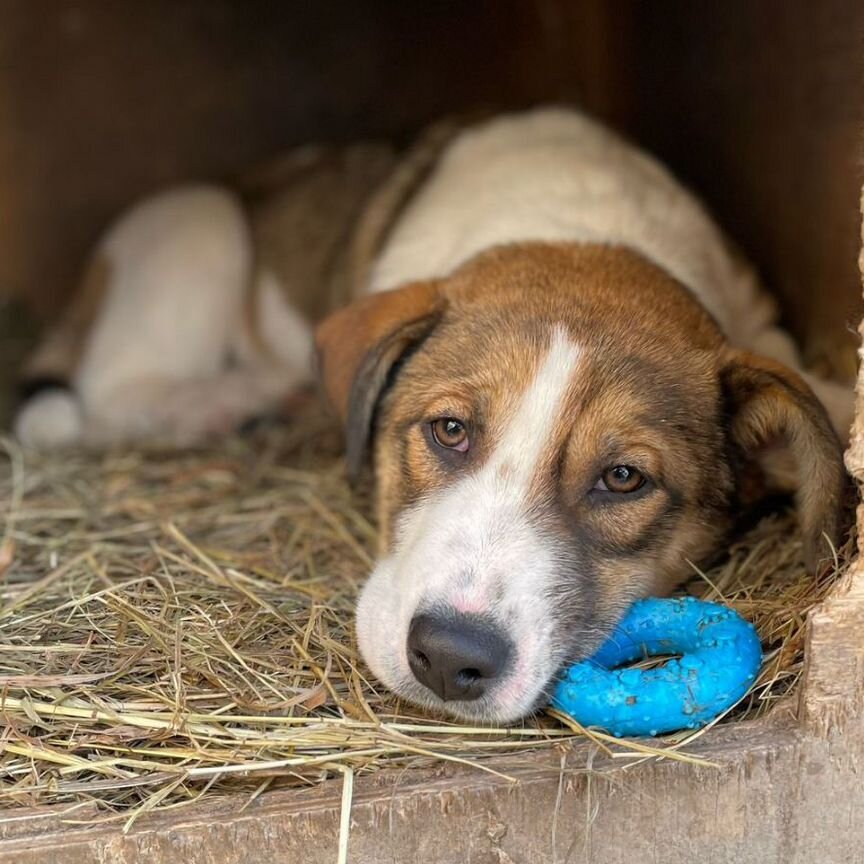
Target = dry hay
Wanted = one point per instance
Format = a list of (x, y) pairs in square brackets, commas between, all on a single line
[(174, 626)]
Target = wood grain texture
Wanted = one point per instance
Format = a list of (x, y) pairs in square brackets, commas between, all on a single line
[(776, 796), (832, 695)]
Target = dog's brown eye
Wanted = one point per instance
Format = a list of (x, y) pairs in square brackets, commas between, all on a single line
[(620, 478), (450, 433)]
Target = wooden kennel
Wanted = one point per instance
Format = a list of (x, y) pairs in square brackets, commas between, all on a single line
[(757, 105)]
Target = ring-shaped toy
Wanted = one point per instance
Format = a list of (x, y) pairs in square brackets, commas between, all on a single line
[(720, 658)]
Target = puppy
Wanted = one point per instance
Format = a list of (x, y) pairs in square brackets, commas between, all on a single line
[(563, 374)]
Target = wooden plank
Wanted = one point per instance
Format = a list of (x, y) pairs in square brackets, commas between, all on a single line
[(832, 695), (777, 796), (758, 106)]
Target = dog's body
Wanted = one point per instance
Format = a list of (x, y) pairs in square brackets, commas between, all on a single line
[(561, 367)]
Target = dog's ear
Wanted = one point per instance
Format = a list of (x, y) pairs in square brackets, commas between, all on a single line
[(769, 407), (357, 348)]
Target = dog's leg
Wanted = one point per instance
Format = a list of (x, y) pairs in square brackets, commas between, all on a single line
[(170, 354), (189, 411), (178, 265), (258, 373)]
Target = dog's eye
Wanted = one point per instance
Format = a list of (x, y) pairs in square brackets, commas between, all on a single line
[(620, 478), (450, 433)]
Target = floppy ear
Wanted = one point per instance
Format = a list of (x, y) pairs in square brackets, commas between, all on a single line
[(357, 348), (770, 405)]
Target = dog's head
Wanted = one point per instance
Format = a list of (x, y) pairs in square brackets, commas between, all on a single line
[(557, 431)]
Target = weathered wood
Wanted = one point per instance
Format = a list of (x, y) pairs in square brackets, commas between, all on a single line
[(832, 695), (778, 795), (758, 106)]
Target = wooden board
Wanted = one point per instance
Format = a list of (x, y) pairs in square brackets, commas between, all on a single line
[(776, 795)]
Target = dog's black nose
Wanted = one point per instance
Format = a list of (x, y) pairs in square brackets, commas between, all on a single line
[(456, 656)]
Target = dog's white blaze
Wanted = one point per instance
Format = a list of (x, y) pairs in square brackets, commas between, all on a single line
[(474, 547), (499, 491), (531, 424)]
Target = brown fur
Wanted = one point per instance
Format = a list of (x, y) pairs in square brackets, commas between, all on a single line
[(659, 389), (357, 347), (301, 214), (771, 406)]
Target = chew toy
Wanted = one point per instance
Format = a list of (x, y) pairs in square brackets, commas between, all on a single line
[(720, 658)]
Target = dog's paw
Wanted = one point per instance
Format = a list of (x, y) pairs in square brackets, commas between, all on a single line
[(50, 419)]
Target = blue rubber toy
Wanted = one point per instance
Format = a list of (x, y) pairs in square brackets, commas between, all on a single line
[(720, 658)]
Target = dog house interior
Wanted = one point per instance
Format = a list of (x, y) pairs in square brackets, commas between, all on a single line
[(178, 672)]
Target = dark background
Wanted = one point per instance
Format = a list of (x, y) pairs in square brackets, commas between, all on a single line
[(757, 104)]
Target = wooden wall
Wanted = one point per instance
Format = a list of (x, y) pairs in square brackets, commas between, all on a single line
[(760, 106), (757, 105), (101, 102)]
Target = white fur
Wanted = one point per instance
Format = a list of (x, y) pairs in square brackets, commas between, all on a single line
[(547, 175), (156, 363), (50, 419), (286, 336), (178, 266), (556, 175), (169, 357), (474, 547)]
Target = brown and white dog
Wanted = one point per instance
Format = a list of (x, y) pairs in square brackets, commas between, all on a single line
[(563, 373)]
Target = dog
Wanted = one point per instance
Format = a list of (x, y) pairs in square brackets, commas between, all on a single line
[(564, 376)]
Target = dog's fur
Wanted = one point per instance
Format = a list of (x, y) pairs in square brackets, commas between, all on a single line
[(533, 277)]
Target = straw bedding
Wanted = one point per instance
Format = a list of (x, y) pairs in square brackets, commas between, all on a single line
[(174, 626)]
